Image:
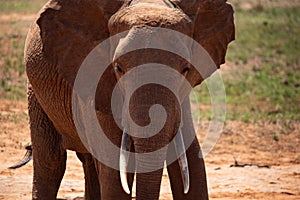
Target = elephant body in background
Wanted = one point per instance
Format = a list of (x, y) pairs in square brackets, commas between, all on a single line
[(64, 33)]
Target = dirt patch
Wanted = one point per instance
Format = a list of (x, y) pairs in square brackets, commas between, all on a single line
[(247, 143), (17, 16)]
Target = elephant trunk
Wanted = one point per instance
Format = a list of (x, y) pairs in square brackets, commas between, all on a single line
[(150, 147), (149, 168)]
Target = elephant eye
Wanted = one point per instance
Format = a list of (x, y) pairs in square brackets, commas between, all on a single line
[(185, 70), (118, 68)]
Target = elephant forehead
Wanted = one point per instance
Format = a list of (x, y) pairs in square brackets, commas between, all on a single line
[(148, 38), (156, 3), (154, 15)]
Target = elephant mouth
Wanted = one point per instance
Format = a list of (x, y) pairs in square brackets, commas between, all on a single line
[(180, 154)]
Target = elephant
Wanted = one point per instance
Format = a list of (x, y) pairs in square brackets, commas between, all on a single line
[(58, 43)]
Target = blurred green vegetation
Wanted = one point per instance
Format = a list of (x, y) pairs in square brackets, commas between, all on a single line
[(15, 19), (263, 80), (20, 6)]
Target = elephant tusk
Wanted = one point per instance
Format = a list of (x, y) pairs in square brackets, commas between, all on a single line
[(183, 164), (124, 157)]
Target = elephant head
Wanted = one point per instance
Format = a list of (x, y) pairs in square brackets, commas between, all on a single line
[(74, 33), (145, 21)]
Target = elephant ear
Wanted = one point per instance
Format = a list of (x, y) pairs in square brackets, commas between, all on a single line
[(213, 25), (70, 29)]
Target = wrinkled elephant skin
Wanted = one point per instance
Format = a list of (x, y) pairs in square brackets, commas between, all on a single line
[(59, 40)]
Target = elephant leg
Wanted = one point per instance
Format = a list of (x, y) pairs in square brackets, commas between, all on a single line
[(198, 185), (111, 187), (49, 157), (92, 186)]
